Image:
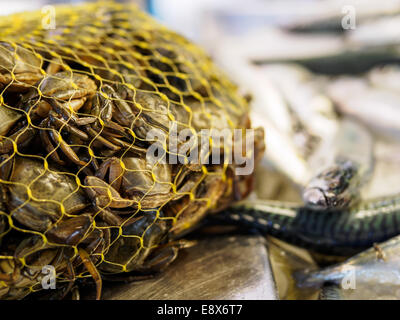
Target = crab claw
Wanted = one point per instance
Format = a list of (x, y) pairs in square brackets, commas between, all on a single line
[(105, 195)]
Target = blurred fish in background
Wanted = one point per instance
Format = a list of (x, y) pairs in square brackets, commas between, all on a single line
[(9, 7)]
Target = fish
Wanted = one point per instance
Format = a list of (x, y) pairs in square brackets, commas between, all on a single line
[(328, 16), (338, 152), (282, 153), (291, 121), (379, 264), (343, 167), (378, 108), (382, 32), (323, 54), (385, 77), (269, 111), (306, 102)]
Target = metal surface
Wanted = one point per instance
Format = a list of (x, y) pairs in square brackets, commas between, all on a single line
[(285, 261), (224, 267)]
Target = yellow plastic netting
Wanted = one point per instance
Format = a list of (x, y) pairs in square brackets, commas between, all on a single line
[(77, 101)]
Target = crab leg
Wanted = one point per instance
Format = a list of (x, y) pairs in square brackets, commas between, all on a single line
[(122, 111), (109, 217), (103, 141), (55, 135), (71, 276), (18, 137), (92, 270), (115, 172), (67, 115), (9, 276), (105, 195), (72, 130), (49, 145)]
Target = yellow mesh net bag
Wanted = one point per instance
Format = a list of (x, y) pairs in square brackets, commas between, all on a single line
[(92, 181)]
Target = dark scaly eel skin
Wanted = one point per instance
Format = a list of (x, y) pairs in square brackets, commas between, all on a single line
[(330, 292), (337, 232)]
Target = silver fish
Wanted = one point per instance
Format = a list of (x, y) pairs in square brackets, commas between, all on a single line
[(339, 153), (270, 112), (379, 264), (327, 16), (382, 32), (329, 54), (346, 165), (385, 77), (281, 152), (378, 108), (304, 98)]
